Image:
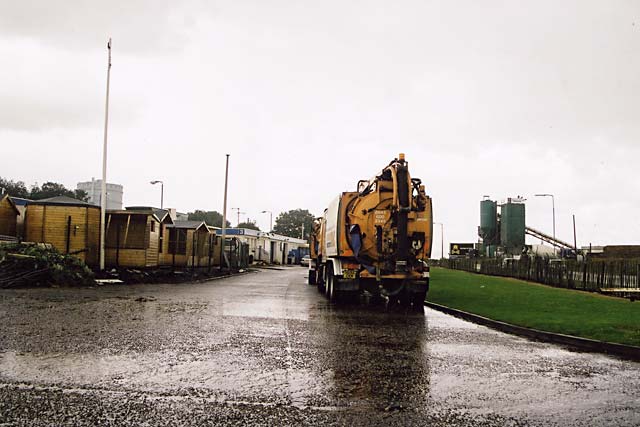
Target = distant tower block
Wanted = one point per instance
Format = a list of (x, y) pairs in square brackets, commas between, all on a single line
[(93, 189)]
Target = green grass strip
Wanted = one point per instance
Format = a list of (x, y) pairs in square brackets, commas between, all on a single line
[(537, 306)]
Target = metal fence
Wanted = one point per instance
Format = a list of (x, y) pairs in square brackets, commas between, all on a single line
[(592, 275)]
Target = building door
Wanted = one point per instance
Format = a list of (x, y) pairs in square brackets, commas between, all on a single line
[(272, 252)]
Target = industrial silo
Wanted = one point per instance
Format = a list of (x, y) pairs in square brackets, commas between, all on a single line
[(488, 222), (512, 225)]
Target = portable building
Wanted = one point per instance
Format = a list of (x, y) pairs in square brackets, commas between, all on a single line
[(267, 247), (70, 225)]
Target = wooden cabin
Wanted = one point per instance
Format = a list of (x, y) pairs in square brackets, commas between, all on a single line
[(164, 216), (9, 215), (135, 237), (190, 244), (70, 225)]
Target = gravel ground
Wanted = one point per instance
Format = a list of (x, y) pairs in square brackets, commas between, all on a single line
[(266, 349)]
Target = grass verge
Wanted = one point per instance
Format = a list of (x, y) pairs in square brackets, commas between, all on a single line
[(537, 306)]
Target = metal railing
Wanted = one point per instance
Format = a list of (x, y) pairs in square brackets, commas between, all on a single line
[(592, 275)]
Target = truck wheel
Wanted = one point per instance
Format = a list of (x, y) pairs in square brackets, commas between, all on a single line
[(331, 293), (312, 277), (417, 299), (320, 279), (325, 280)]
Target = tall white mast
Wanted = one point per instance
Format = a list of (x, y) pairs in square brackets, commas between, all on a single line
[(103, 194)]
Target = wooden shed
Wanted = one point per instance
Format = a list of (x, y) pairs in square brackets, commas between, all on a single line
[(134, 237), (190, 244), (70, 225), (9, 215), (164, 216)]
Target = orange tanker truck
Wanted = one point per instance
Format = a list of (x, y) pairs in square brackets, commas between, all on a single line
[(376, 239)]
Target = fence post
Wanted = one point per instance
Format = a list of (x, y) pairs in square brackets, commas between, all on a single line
[(193, 250), (118, 245), (68, 233)]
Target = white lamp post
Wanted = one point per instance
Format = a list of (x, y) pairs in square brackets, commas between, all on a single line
[(161, 192)]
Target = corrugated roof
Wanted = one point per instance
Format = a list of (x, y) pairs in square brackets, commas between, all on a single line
[(139, 208), (62, 201), (162, 214), (191, 225), (133, 212), (19, 201)]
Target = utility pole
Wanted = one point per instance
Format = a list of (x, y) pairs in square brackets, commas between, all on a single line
[(575, 243), (103, 194), (224, 213), (302, 234), (238, 209)]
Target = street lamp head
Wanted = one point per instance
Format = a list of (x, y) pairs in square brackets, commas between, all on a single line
[(156, 182), (543, 195)]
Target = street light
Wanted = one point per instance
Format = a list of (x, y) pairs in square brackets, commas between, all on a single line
[(553, 210), (103, 184), (161, 192), (270, 219), (441, 238)]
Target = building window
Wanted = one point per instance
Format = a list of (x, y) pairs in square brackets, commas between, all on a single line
[(153, 227), (177, 241)]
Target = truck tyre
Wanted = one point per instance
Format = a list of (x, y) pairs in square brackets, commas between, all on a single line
[(326, 279), (417, 299), (320, 279), (312, 277), (331, 292)]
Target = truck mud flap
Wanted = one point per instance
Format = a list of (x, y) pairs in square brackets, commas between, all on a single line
[(346, 285), (415, 286)]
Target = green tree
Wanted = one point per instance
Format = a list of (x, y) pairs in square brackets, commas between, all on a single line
[(213, 218), (50, 189), (249, 224), (14, 188), (290, 223), (81, 195)]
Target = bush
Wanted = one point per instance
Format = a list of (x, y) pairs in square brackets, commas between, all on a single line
[(41, 265)]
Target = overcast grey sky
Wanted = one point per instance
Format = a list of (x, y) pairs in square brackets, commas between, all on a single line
[(500, 98)]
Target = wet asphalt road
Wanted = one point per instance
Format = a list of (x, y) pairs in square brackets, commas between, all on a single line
[(266, 349)]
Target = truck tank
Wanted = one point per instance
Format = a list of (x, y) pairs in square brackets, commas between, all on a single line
[(377, 238)]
